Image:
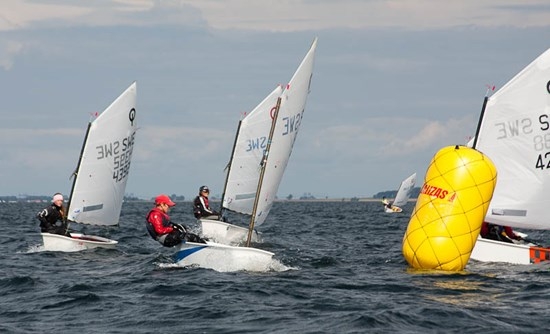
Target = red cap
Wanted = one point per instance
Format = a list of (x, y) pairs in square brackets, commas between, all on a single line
[(164, 199)]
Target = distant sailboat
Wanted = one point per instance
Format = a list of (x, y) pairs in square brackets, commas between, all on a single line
[(100, 178), (514, 132), (244, 191), (403, 194), (260, 172)]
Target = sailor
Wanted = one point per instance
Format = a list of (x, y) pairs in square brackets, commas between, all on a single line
[(162, 229), (201, 207), (499, 233), (52, 217), (386, 203)]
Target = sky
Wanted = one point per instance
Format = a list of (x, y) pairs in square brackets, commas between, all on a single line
[(394, 81)]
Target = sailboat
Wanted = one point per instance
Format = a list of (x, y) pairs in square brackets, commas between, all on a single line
[(243, 182), (514, 132), (101, 175), (261, 174), (403, 194)]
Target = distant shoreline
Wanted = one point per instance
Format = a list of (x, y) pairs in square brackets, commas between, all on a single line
[(353, 199)]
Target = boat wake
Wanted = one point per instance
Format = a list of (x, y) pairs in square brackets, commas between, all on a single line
[(222, 266), (33, 249)]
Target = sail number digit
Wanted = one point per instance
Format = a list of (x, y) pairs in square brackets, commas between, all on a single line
[(543, 161), (121, 153), (122, 161), (542, 142)]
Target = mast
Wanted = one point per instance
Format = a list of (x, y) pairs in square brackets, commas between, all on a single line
[(485, 100), (228, 167), (75, 173), (263, 164)]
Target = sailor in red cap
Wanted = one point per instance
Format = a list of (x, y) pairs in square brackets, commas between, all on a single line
[(162, 229)]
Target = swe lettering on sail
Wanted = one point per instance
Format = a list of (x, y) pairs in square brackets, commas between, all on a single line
[(521, 126), (256, 144), (514, 128), (292, 124), (121, 153)]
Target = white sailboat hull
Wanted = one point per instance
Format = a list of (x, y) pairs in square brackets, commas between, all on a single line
[(225, 233), (393, 209), (77, 242), (223, 258), (486, 250)]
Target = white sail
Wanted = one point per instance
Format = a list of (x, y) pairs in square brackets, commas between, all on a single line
[(405, 190), (244, 169), (243, 178), (288, 124), (98, 191), (515, 135)]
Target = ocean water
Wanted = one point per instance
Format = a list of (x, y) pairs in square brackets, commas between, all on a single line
[(343, 273)]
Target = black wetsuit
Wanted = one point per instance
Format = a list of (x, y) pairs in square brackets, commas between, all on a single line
[(51, 220)]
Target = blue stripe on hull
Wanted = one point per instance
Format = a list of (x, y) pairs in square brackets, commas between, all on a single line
[(182, 254)]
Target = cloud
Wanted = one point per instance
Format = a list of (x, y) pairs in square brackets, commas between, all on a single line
[(281, 16), (23, 14), (8, 51), (296, 15), (20, 14)]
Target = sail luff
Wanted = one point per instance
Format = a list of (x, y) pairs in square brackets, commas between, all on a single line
[(75, 173), (481, 114), (263, 163), (222, 207)]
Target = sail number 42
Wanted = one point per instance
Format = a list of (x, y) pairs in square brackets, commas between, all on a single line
[(542, 143)]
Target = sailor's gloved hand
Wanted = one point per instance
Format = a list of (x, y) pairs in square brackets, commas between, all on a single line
[(179, 227)]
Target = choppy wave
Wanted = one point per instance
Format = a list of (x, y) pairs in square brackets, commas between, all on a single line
[(338, 269)]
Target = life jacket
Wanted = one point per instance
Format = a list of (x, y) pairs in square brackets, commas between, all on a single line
[(200, 203), (151, 228)]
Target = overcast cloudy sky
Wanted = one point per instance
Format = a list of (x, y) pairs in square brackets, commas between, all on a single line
[(394, 81)]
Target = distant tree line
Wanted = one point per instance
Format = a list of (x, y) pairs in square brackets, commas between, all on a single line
[(48, 198), (181, 198)]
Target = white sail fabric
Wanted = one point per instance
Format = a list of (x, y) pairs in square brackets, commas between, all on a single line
[(405, 190), (244, 169), (515, 135), (290, 116), (98, 190)]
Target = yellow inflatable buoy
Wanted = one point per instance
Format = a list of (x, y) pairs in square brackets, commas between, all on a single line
[(450, 209)]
